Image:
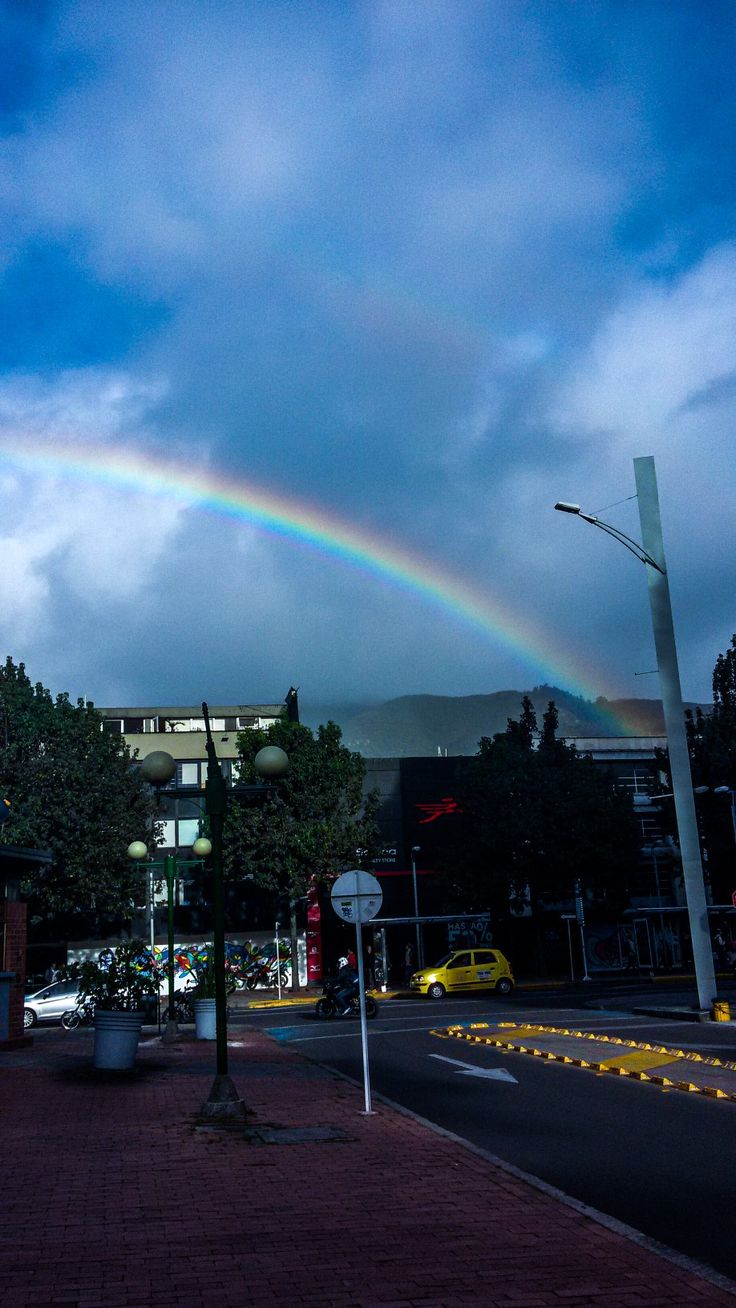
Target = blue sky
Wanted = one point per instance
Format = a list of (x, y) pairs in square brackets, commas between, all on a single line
[(431, 266)]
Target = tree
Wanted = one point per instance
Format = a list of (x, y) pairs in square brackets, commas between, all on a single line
[(540, 817), (712, 746), (311, 825), (73, 791)]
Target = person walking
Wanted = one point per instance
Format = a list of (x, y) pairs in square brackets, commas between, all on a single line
[(408, 963)]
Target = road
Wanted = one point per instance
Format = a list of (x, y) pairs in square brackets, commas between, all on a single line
[(662, 1161)]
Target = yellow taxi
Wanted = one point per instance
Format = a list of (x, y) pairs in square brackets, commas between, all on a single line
[(465, 970)]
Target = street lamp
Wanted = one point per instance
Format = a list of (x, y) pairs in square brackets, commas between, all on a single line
[(651, 553), (417, 849), (158, 769), (171, 865), (271, 762)]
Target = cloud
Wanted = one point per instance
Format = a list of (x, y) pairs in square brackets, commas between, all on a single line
[(61, 536), (428, 266), (667, 346)]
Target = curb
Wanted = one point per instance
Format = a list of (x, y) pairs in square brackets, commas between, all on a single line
[(613, 1224)]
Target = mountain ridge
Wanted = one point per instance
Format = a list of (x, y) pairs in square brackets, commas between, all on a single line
[(423, 724)]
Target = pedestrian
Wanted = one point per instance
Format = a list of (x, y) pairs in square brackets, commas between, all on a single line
[(408, 963), (352, 959), (719, 948)]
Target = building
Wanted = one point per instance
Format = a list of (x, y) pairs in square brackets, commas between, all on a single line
[(179, 731)]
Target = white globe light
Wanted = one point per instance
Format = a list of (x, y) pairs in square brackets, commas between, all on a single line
[(158, 768), (202, 847), (271, 761), (138, 849)]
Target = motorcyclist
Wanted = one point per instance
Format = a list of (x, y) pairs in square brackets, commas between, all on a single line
[(347, 978)]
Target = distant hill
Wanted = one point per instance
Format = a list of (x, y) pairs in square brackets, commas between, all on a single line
[(416, 725)]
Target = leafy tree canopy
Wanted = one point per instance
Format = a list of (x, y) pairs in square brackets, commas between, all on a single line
[(72, 791), (712, 745), (540, 818), (315, 820)]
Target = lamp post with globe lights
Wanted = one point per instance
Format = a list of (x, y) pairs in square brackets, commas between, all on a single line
[(158, 769), (223, 1103), (171, 865)]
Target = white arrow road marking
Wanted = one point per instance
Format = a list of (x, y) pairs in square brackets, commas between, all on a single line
[(467, 1069)]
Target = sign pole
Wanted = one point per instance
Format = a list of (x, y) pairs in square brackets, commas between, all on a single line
[(278, 961), (356, 897), (363, 1019)]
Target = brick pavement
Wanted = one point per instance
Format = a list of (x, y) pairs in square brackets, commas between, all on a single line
[(113, 1197)]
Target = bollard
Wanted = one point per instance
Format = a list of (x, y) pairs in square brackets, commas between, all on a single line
[(721, 1010)]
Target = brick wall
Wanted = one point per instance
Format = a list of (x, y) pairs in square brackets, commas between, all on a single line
[(13, 938)]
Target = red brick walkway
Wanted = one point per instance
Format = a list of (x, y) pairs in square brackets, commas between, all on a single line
[(111, 1198)]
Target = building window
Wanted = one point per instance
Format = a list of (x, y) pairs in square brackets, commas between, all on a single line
[(113, 726), (188, 832), (189, 774)]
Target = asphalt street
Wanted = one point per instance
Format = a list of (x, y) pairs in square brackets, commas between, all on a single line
[(660, 1160)]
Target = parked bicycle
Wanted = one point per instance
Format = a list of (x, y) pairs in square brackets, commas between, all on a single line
[(82, 1015)]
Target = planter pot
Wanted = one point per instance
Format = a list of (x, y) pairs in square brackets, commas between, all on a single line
[(205, 1019), (116, 1039)]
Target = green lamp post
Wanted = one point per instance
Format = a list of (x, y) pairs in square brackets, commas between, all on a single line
[(158, 769), (171, 865), (271, 762)]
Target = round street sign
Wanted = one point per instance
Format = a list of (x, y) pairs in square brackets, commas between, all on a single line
[(356, 896)]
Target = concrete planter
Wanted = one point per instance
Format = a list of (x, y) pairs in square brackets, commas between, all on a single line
[(205, 1019), (116, 1039)]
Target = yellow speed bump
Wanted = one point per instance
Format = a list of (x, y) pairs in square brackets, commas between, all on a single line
[(639, 1064)]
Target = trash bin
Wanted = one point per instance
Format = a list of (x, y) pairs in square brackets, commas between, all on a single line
[(721, 1010)]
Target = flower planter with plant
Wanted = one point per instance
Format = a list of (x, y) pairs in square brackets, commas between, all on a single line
[(204, 990), (120, 983)]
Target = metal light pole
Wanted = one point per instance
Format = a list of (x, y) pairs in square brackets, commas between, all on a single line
[(170, 865), (417, 849), (652, 554), (224, 1102)]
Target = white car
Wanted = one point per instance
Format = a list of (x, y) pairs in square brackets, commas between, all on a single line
[(48, 1004)]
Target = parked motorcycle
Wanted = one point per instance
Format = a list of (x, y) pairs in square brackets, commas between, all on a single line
[(263, 973), (330, 1006)]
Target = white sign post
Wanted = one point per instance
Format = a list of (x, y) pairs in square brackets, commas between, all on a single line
[(356, 897)]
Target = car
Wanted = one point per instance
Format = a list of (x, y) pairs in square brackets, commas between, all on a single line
[(464, 970), (48, 1003)]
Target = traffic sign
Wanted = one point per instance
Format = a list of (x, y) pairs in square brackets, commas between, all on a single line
[(356, 896)]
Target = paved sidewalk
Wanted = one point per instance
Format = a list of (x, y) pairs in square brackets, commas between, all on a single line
[(112, 1198)]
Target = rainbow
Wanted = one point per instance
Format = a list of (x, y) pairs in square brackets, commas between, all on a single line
[(306, 523)]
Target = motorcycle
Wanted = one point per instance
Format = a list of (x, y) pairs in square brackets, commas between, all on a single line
[(330, 1006), (263, 973)]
